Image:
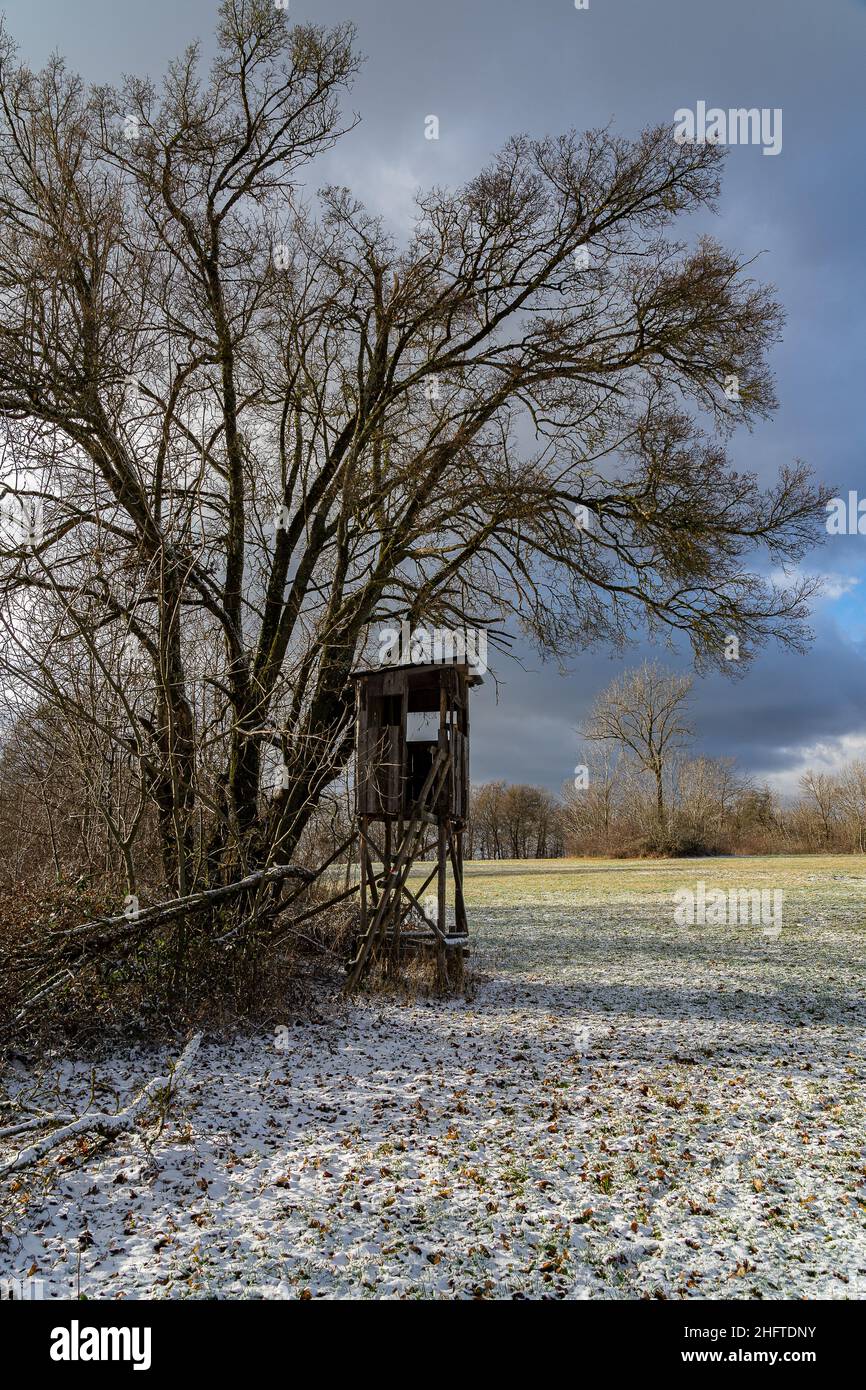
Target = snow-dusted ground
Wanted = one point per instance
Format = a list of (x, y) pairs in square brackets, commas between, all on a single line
[(624, 1109)]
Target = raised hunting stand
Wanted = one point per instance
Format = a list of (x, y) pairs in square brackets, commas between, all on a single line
[(414, 783)]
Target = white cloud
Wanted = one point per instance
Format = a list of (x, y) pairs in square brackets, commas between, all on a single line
[(830, 755), (833, 584), (837, 585)]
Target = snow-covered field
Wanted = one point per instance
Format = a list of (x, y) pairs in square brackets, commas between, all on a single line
[(625, 1108)]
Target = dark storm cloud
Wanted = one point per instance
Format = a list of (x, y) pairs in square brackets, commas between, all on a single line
[(493, 67), (787, 712)]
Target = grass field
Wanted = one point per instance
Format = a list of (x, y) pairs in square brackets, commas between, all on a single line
[(623, 1108)]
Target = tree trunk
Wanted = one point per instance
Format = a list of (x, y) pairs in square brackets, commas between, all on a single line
[(660, 797)]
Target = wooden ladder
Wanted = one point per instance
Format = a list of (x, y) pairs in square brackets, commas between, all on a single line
[(394, 883)]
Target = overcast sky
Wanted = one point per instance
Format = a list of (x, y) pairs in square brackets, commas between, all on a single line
[(490, 68)]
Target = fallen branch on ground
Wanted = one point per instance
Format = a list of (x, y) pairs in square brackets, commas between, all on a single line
[(36, 1122), (40, 958), (102, 1123), (194, 902)]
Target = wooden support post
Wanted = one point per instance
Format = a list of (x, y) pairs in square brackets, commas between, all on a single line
[(455, 845), (362, 865), (441, 813), (441, 905), (373, 879), (394, 922)]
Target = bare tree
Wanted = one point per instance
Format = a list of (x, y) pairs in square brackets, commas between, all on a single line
[(852, 799), (643, 711), (706, 791), (487, 820), (253, 431), (592, 800), (514, 822), (821, 791)]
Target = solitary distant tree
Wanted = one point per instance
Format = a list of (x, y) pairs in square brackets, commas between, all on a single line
[(643, 711), (243, 431)]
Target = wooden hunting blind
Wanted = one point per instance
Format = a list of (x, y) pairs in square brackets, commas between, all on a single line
[(412, 799)]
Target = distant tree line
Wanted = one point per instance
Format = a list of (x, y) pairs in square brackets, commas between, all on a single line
[(713, 809), (637, 791), (514, 822)]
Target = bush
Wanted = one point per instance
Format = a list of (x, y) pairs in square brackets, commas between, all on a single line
[(213, 968), (669, 844)]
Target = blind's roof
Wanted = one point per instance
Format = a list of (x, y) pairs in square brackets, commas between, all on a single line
[(421, 674)]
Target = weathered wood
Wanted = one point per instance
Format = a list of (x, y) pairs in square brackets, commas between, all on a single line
[(363, 856), (455, 850), (73, 941), (411, 785), (413, 898), (441, 887), (393, 885)]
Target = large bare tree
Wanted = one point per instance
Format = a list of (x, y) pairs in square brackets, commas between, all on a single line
[(257, 427), (643, 713)]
